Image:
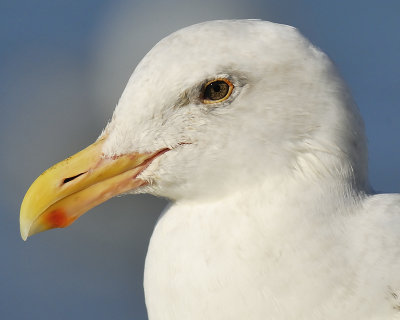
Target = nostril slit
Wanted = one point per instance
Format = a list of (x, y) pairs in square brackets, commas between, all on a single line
[(66, 180)]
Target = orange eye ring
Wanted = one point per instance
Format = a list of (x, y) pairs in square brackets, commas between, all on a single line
[(216, 90)]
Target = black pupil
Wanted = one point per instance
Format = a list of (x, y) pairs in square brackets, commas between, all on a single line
[(216, 90)]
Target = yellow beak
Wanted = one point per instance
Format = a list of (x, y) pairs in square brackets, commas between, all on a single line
[(73, 186)]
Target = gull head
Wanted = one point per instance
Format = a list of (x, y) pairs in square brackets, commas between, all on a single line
[(281, 109), (211, 107)]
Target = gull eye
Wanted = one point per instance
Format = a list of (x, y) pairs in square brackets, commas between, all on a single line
[(216, 91)]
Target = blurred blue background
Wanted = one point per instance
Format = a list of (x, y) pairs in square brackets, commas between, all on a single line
[(63, 65)]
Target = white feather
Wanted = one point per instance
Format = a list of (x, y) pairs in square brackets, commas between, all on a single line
[(273, 217)]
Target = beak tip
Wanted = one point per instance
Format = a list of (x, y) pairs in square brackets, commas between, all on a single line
[(24, 235), (24, 229)]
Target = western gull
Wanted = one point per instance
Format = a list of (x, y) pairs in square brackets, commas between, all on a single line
[(251, 133)]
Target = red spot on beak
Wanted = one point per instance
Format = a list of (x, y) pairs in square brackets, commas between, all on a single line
[(59, 219)]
